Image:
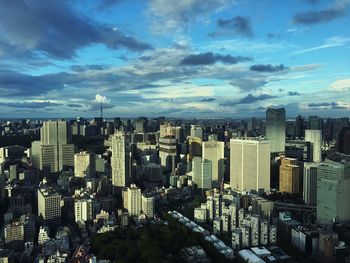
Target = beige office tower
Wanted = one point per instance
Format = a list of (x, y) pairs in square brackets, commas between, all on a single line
[(84, 164), (289, 176), (250, 164), (168, 153), (166, 129), (148, 205), (196, 131), (214, 152), (53, 150), (132, 200), (120, 160), (315, 138), (49, 204)]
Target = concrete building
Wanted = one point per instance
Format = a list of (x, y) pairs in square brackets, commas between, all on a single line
[(168, 153), (196, 131), (315, 138), (250, 165), (84, 164), (214, 152), (310, 183), (333, 189), (49, 204), (276, 128), (148, 205), (132, 200), (289, 176), (121, 160), (53, 151), (84, 209)]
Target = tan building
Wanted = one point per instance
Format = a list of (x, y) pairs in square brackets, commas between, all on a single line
[(132, 200), (84, 164), (289, 176)]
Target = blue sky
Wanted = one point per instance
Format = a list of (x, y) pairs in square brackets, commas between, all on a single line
[(183, 58)]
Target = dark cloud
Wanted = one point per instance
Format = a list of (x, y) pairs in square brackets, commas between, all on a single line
[(293, 93), (211, 58), (248, 83), (208, 99), (30, 105), (53, 28), (238, 25), (74, 105), (80, 68), (267, 68), (338, 9), (250, 98)]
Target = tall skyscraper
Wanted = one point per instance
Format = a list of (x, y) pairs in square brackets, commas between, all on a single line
[(84, 164), (333, 189), (168, 153), (315, 123), (197, 171), (299, 127), (214, 151), (276, 128), (315, 138), (250, 165), (53, 150), (289, 176), (310, 183), (120, 160), (344, 141), (49, 204), (206, 178)]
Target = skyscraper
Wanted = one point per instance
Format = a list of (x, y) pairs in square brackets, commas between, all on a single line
[(53, 150), (84, 164), (206, 178), (214, 151), (168, 153), (49, 204), (310, 183), (289, 176), (132, 200), (315, 123), (276, 128), (120, 160), (344, 141), (250, 165), (299, 127), (333, 190), (315, 138)]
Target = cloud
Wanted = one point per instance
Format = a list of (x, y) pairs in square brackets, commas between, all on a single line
[(250, 98), (267, 68), (238, 25), (81, 68), (338, 9), (293, 93), (328, 43), (30, 104), (74, 105), (103, 4), (329, 105), (101, 99), (211, 58), (53, 28), (341, 85), (208, 100), (177, 16)]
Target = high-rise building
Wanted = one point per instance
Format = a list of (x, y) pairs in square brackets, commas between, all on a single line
[(84, 209), (206, 178), (54, 150), (84, 164), (250, 165), (148, 204), (310, 183), (276, 128), (344, 141), (132, 200), (197, 171), (194, 147), (120, 160), (168, 153), (214, 151), (333, 189), (315, 123), (299, 127), (49, 204), (289, 176), (315, 138), (196, 131)]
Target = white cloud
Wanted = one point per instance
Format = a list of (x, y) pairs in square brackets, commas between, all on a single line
[(101, 99), (330, 42), (340, 85)]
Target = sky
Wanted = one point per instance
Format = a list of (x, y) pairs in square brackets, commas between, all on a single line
[(174, 58)]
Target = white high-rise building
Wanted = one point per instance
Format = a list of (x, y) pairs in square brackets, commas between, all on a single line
[(214, 152), (196, 131), (276, 128), (250, 165), (148, 205), (315, 138), (132, 200), (310, 183), (84, 164), (49, 204), (53, 150), (120, 160), (197, 171), (84, 209)]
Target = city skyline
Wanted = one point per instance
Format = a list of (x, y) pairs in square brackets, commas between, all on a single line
[(216, 59)]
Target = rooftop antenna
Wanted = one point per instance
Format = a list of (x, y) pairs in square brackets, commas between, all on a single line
[(101, 110)]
